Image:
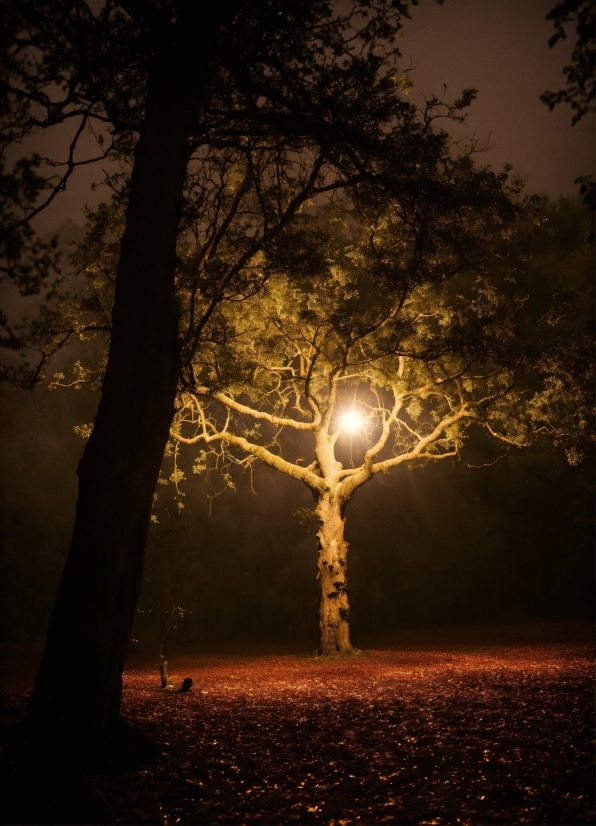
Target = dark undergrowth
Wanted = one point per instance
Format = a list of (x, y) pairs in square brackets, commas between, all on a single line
[(475, 734)]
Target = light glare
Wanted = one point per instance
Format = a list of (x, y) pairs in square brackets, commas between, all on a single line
[(351, 421)]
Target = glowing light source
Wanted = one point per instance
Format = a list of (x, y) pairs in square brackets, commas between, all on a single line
[(351, 421)]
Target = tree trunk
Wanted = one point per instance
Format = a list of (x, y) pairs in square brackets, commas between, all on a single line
[(334, 610), (78, 688)]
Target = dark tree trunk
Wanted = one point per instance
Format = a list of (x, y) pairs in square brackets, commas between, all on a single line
[(79, 684), (77, 693)]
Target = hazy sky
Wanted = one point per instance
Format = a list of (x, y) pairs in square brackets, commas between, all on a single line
[(500, 48)]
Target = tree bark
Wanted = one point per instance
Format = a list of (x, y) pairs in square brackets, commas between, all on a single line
[(94, 609), (334, 610)]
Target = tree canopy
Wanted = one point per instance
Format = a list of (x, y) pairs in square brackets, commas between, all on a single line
[(579, 74), (350, 297), (266, 74)]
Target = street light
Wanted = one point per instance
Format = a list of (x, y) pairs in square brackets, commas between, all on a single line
[(351, 422)]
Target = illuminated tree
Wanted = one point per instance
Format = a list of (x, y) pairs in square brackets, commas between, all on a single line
[(372, 366)]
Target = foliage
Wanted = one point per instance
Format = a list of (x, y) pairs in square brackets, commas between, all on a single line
[(26, 261), (283, 79), (279, 126), (580, 72), (423, 358), (580, 90), (245, 218), (238, 231)]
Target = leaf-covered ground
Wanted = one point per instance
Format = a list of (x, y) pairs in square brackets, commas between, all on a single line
[(501, 735)]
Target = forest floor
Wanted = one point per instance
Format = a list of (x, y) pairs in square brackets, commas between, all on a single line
[(439, 732)]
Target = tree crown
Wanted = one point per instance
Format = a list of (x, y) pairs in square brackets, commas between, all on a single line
[(423, 362)]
